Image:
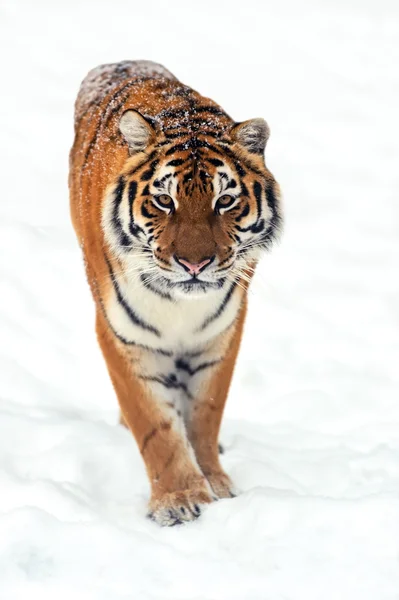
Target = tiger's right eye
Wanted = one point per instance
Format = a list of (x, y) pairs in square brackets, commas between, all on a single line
[(165, 203), (224, 203)]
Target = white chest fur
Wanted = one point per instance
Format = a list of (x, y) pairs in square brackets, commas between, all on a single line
[(177, 325), (175, 334)]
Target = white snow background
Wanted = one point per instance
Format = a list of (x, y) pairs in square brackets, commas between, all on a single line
[(311, 430)]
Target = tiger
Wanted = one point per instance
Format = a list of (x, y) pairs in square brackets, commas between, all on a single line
[(172, 205)]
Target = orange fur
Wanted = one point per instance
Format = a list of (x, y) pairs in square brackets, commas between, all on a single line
[(180, 453)]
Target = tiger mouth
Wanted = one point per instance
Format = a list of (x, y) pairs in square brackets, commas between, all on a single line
[(191, 284), (194, 281), (196, 285)]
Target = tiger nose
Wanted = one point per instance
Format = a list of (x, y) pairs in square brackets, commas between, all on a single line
[(194, 268)]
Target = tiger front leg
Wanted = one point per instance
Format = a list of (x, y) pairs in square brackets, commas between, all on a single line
[(178, 486), (203, 436), (206, 411)]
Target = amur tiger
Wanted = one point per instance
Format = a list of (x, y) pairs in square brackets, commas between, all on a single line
[(172, 205)]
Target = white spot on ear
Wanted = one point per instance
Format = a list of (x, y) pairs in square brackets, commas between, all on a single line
[(252, 134), (136, 131)]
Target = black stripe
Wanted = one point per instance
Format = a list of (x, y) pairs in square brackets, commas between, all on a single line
[(122, 339), (272, 203), (203, 176), (159, 182), (244, 213), (182, 365), (258, 195), (132, 196), (244, 189), (149, 285), (213, 110), (176, 162), (146, 213), (124, 240), (183, 112), (259, 224), (221, 308), (208, 133), (141, 164), (146, 176), (168, 382), (205, 144), (162, 260), (237, 164), (202, 122), (276, 220), (173, 136), (179, 148), (188, 176), (129, 311), (258, 227), (172, 113), (266, 238), (239, 168), (254, 228), (215, 162), (135, 230), (180, 133), (234, 237), (236, 161), (193, 143), (225, 260)]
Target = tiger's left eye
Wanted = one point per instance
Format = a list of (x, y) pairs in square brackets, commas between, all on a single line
[(164, 202), (223, 203)]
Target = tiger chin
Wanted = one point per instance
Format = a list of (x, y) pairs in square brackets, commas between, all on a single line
[(172, 205)]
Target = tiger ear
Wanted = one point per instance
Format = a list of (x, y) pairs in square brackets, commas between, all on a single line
[(136, 130), (252, 135)]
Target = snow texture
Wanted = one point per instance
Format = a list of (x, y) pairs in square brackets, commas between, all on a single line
[(311, 431), (103, 78)]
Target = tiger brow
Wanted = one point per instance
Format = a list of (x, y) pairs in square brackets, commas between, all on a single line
[(160, 183), (223, 181)]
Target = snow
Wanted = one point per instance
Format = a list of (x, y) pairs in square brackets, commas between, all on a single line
[(311, 430)]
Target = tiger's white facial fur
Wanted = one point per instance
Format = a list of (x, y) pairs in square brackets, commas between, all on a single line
[(221, 221)]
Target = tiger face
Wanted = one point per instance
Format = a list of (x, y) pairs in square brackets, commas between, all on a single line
[(195, 213)]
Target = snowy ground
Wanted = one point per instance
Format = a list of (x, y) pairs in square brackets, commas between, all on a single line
[(312, 424)]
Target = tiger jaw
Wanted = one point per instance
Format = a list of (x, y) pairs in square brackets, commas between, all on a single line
[(188, 286), (194, 288)]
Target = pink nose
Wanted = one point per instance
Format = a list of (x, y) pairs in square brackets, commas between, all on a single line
[(194, 268)]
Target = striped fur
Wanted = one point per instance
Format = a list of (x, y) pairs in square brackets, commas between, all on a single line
[(163, 180)]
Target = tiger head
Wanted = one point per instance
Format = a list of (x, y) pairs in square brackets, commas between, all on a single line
[(194, 205)]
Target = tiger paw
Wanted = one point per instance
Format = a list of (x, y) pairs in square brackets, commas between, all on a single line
[(221, 484), (174, 508)]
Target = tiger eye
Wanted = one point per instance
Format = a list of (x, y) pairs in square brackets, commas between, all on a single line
[(165, 201), (224, 202)]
